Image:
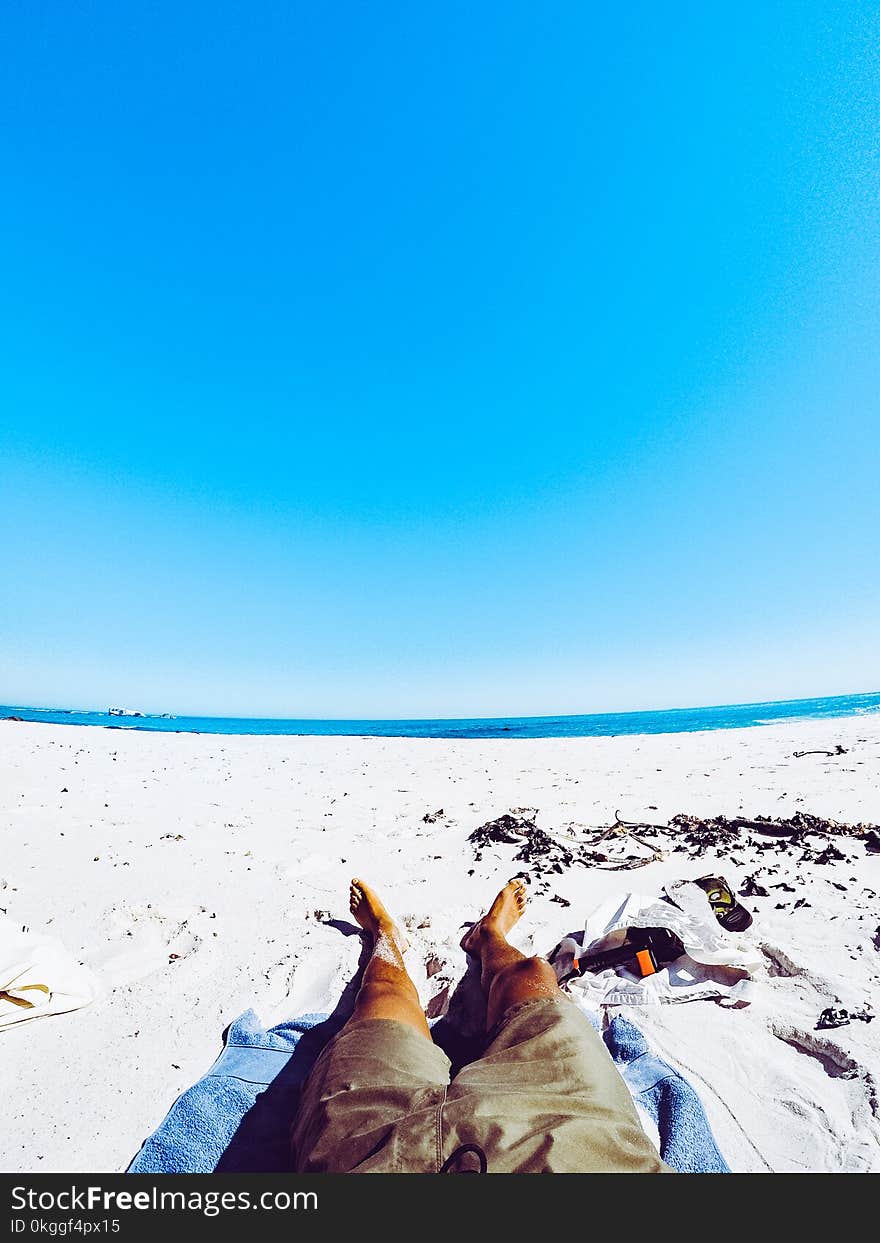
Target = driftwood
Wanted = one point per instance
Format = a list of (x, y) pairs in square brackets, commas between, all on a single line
[(779, 828), (624, 829), (838, 750)]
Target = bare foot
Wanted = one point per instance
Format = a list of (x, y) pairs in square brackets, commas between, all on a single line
[(504, 912), (372, 916)]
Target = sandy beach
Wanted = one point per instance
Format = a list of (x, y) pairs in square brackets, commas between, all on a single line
[(198, 876)]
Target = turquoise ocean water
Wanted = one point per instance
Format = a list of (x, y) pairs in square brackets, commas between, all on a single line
[(604, 724)]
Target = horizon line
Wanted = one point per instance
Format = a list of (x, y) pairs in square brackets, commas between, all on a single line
[(551, 716)]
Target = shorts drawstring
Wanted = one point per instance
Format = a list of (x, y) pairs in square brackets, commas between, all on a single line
[(461, 1151)]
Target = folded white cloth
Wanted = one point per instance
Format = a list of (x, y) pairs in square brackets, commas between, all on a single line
[(716, 963), (38, 976)]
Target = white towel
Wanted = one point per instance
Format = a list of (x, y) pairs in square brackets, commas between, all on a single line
[(716, 964), (38, 976)]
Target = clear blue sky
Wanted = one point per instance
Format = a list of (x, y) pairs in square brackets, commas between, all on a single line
[(390, 360)]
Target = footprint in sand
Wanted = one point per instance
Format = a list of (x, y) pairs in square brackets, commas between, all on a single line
[(834, 1061), (779, 962), (849, 1119), (136, 941), (279, 980)]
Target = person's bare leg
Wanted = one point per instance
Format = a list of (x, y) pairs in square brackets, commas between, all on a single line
[(386, 990), (508, 977)]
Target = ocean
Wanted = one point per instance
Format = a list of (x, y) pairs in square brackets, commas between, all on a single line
[(593, 725)]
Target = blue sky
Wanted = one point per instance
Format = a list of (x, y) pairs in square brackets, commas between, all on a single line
[(392, 360)]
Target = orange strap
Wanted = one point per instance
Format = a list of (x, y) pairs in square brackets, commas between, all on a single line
[(645, 959)]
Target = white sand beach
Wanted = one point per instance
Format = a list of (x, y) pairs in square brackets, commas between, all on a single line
[(198, 874)]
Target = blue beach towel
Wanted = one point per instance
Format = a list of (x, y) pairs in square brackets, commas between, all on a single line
[(236, 1118), (686, 1139)]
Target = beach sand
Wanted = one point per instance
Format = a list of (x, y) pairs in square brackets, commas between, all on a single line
[(199, 873)]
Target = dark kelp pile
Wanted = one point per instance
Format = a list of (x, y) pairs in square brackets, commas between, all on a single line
[(696, 835), (544, 855), (534, 845), (633, 844)]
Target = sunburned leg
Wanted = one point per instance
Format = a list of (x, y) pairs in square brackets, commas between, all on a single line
[(508, 976), (386, 991)]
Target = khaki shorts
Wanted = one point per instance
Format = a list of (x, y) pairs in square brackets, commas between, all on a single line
[(544, 1098)]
